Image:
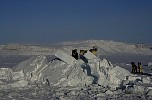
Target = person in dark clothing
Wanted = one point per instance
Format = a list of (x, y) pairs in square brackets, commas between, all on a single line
[(134, 67), (75, 54)]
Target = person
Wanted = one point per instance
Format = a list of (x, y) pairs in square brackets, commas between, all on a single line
[(94, 50), (134, 67), (82, 52), (75, 54), (140, 68)]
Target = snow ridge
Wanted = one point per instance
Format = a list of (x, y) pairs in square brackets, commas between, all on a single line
[(104, 47)]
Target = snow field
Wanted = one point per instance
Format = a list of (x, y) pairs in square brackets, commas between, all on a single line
[(66, 78)]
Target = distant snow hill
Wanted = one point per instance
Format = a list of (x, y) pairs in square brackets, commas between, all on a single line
[(104, 48)]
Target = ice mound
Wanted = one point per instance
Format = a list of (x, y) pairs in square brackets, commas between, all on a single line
[(59, 73), (56, 72), (66, 71), (107, 75)]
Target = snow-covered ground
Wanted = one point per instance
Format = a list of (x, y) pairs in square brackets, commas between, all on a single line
[(50, 73)]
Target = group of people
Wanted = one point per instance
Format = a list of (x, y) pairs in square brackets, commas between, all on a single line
[(82, 52), (137, 69)]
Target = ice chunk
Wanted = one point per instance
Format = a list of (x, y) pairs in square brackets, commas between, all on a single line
[(78, 78), (145, 80), (149, 93), (18, 75), (6, 73), (125, 82), (119, 72), (18, 84), (106, 64), (89, 55), (139, 89), (65, 57), (34, 64), (109, 92), (32, 67)]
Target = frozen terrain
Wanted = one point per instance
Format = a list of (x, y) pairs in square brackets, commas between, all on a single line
[(50, 72)]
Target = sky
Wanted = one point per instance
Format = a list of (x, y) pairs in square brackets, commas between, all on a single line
[(51, 21)]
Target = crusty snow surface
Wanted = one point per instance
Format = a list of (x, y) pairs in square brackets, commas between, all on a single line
[(31, 72)]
